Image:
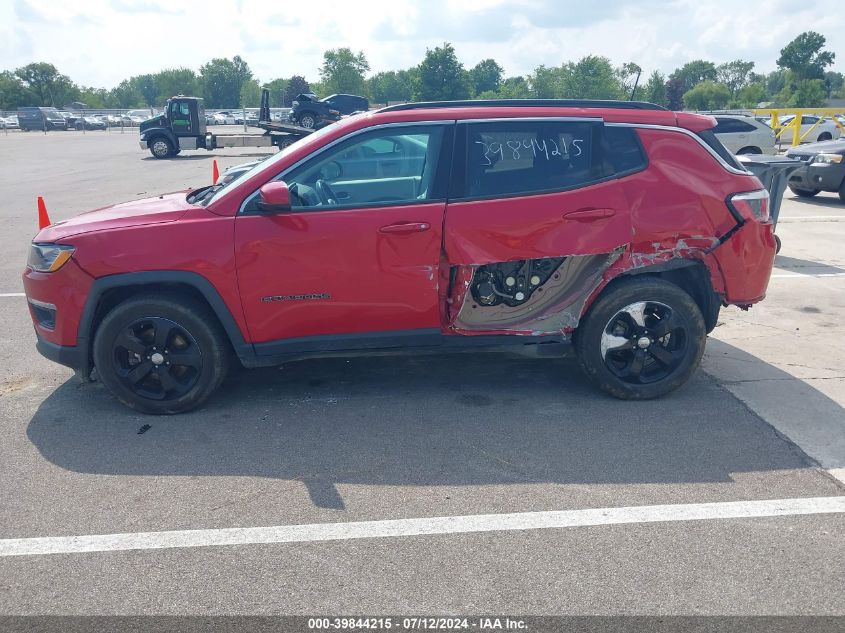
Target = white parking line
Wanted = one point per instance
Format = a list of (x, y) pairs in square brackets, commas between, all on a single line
[(420, 527), (800, 218), (805, 275), (12, 294)]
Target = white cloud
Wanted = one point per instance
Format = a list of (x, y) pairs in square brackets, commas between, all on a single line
[(101, 42)]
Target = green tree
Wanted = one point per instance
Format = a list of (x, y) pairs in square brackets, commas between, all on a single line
[(693, 73), (124, 95), (735, 75), (13, 93), (250, 94), (390, 86), (630, 75), (296, 86), (708, 95), (46, 84), (834, 82), (441, 77), (343, 71), (277, 92), (776, 81), (751, 96), (146, 85), (170, 82), (515, 88), (546, 83), (804, 56), (654, 90), (486, 75), (222, 80), (93, 97), (591, 77)]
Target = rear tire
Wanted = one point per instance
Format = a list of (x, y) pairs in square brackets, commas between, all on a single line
[(804, 193), (160, 147), (642, 338), (308, 120), (161, 355), (825, 136)]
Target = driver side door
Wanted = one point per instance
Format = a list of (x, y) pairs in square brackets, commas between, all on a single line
[(354, 263)]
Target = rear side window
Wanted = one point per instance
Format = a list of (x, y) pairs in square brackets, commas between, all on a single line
[(621, 150), (519, 157), (716, 145), (732, 126)]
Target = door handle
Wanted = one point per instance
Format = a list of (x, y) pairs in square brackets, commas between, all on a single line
[(588, 215), (405, 227)]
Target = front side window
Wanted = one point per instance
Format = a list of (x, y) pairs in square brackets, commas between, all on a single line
[(395, 165), (520, 157)]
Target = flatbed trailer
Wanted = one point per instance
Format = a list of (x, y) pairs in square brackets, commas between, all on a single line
[(182, 126)]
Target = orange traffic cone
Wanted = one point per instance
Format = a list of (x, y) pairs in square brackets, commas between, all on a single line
[(43, 218), (215, 174)]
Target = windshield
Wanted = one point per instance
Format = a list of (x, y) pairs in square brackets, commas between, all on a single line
[(220, 190)]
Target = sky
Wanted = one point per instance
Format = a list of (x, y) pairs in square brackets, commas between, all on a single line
[(101, 42)]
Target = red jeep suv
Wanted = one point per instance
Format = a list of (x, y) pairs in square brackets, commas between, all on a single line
[(616, 228)]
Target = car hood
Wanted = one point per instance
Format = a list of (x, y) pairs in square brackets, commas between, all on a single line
[(824, 147), (167, 208)]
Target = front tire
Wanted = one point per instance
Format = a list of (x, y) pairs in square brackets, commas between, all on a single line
[(161, 355), (160, 147), (804, 193), (642, 339)]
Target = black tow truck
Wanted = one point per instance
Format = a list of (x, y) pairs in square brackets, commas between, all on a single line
[(182, 126)]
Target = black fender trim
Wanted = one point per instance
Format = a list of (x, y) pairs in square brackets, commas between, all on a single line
[(244, 350), (707, 299), (160, 131)]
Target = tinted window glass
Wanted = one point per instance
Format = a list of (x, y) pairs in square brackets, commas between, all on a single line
[(732, 126), (394, 165), (621, 149), (513, 157), (716, 145)]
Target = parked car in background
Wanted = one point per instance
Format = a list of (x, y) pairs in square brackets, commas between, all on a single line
[(251, 117), (10, 122), (112, 120), (419, 228), (309, 111), (223, 118), (91, 123), (40, 118), (827, 130), (70, 117), (744, 134), (134, 117), (824, 169)]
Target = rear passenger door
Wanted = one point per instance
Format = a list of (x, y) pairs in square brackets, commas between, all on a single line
[(536, 188)]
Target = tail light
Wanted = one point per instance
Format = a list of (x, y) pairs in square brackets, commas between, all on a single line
[(753, 205)]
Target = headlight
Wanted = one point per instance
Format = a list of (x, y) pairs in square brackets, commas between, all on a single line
[(828, 159), (48, 258)]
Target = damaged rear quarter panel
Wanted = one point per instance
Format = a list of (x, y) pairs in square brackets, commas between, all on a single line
[(673, 210)]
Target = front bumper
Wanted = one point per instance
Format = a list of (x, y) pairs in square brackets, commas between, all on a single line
[(143, 144), (826, 177), (73, 357)]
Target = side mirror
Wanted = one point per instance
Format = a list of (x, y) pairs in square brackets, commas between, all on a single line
[(274, 197)]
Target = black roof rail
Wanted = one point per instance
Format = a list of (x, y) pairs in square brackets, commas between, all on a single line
[(526, 103)]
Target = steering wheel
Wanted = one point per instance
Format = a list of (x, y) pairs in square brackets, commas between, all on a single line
[(324, 191)]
